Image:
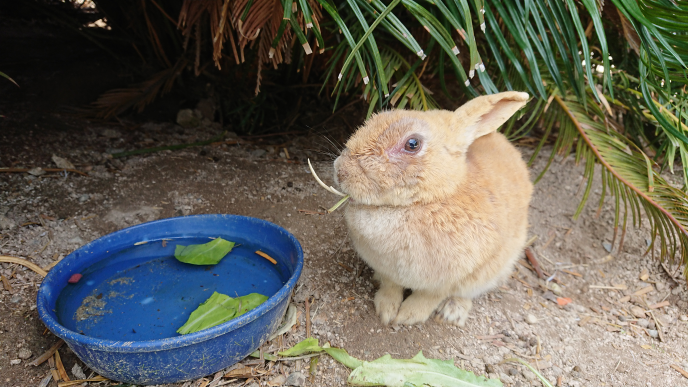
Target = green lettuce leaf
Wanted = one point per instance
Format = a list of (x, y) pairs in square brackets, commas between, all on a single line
[(206, 254), (308, 345), (220, 308), (386, 371), (418, 372)]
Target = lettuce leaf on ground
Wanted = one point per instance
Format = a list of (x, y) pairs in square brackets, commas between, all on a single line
[(386, 371), (206, 254)]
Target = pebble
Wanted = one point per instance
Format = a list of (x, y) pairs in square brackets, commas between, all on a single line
[(622, 318), (15, 298), (653, 333), (6, 223), (607, 246), (528, 375), (651, 325), (84, 198), (258, 153), (78, 372), (24, 354), (530, 319), (638, 311), (506, 378), (684, 318), (295, 379), (513, 371), (660, 286), (643, 323), (15, 362)]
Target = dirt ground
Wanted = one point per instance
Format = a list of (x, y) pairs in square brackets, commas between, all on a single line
[(593, 341)]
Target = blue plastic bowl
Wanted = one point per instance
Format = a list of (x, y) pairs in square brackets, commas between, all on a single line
[(121, 317)]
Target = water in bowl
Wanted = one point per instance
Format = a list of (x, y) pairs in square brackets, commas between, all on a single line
[(144, 293)]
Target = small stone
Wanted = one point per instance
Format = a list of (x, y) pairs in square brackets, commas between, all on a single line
[(84, 198), (15, 298), (643, 323), (258, 153), (530, 319), (513, 371), (529, 375), (15, 362), (638, 311), (207, 108), (110, 133), (683, 317), (653, 333), (78, 372), (506, 378), (6, 223), (187, 119), (295, 379), (622, 318), (24, 354), (62, 163), (660, 286), (651, 325), (607, 246)]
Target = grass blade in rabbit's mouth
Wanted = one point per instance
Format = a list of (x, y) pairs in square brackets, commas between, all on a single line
[(330, 189)]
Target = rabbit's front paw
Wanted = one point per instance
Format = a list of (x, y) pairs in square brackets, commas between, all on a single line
[(387, 301), (417, 308), (454, 310)]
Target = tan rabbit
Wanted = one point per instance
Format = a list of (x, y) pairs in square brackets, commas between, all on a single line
[(439, 205)]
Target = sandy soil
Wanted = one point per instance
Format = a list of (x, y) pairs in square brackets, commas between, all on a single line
[(593, 341)]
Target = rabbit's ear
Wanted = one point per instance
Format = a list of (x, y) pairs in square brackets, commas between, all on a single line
[(485, 114)]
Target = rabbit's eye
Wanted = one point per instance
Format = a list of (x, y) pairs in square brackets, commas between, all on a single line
[(412, 145)]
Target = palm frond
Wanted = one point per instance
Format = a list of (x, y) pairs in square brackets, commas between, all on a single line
[(628, 174)]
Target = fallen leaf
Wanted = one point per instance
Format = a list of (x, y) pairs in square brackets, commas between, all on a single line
[(62, 163), (563, 301), (418, 371)]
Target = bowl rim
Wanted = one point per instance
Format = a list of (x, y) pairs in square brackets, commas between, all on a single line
[(72, 337)]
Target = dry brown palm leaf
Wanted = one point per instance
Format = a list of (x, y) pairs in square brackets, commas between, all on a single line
[(249, 19), (117, 101), (154, 39), (629, 32), (218, 16)]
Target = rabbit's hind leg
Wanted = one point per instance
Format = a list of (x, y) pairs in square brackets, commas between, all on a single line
[(454, 310), (388, 298), (418, 307)]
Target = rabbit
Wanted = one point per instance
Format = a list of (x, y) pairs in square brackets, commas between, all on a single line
[(439, 205)]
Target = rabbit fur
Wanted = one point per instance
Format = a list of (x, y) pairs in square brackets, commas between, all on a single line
[(447, 219)]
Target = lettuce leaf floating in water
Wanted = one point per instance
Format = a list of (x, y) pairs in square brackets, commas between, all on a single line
[(220, 308), (206, 254)]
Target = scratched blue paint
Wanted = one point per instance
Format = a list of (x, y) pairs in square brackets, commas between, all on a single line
[(121, 355)]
